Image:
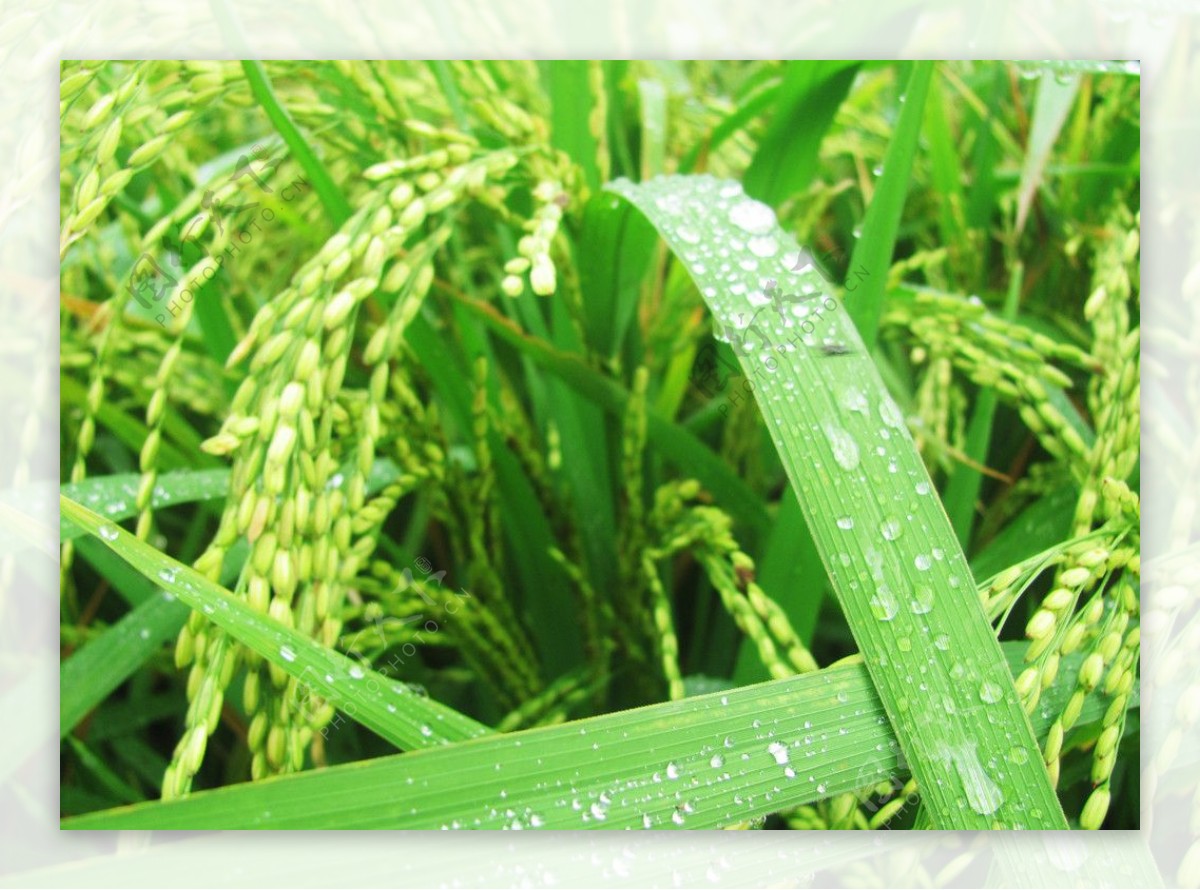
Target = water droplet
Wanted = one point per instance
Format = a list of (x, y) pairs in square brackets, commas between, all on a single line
[(763, 246), (717, 761), (752, 216), (983, 795), (890, 529), (677, 817), (356, 673), (890, 413), (598, 812), (942, 641), (646, 820), (845, 523), (922, 562), (286, 653), (108, 532), (168, 576), (779, 752), (854, 400), (426, 730), (922, 488), (845, 449), (883, 604), (990, 692), (687, 236), (922, 599), (877, 169), (904, 644), (1018, 755), (672, 771)]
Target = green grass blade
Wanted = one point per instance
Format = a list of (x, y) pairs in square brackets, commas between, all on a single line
[(569, 88), (702, 762), (755, 101), (892, 557), (406, 720), (335, 203), (808, 99), (619, 247), (872, 255), (88, 676), (1054, 99), (653, 97), (114, 497)]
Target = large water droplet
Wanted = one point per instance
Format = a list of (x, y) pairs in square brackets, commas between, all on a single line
[(854, 400), (890, 413), (108, 532), (752, 216), (883, 604), (779, 752), (890, 529), (922, 599), (763, 246), (845, 523), (983, 795), (286, 653), (922, 562), (845, 449), (990, 692)]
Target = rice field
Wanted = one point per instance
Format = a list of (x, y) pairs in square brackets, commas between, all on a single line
[(622, 444)]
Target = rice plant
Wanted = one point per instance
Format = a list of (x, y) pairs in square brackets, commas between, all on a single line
[(578, 444)]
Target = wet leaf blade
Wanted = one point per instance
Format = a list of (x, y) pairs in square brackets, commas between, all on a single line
[(615, 755), (402, 718), (892, 557), (872, 255)]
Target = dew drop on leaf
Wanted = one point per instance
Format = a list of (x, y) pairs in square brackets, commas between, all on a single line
[(990, 692), (752, 216), (845, 449), (883, 604), (922, 600), (763, 246)]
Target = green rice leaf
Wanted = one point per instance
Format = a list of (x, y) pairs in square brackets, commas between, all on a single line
[(890, 552), (377, 702)]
